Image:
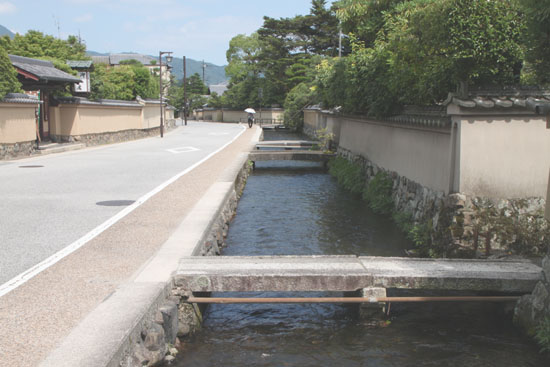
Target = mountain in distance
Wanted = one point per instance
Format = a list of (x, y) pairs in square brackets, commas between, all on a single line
[(4, 31), (214, 74)]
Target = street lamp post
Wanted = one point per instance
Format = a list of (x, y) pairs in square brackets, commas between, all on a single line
[(185, 90), (168, 60)]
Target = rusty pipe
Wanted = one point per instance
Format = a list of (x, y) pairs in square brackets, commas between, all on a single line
[(233, 300)]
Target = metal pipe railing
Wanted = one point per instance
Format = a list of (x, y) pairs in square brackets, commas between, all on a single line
[(233, 300)]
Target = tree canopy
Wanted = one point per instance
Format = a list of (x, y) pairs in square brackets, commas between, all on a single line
[(36, 44), (417, 51), (537, 39), (279, 56), (124, 82), (8, 81), (196, 92)]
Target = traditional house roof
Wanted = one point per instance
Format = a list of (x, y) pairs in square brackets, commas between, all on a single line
[(40, 71), (100, 59), (527, 100), (115, 59), (20, 98), (101, 102), (80, 64), (219, 89)]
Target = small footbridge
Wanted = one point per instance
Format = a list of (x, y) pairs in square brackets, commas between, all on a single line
[(289, 150), (367, 275)]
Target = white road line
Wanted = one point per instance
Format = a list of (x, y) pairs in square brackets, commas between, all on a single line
[(182, 150), (25, 276)]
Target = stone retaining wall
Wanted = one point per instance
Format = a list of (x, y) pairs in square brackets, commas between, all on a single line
[(17, 150), (456, 218), (112, 137), (463, 225), (532, 309), (160, 336)]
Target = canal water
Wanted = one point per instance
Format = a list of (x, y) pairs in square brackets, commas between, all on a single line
[(298, 209)]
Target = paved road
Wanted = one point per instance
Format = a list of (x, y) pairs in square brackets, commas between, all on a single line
[(51, 202)]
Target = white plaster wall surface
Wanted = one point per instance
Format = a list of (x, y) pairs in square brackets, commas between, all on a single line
[(504, 158), (421, 155)]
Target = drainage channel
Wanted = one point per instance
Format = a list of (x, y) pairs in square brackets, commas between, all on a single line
[(295, 209)]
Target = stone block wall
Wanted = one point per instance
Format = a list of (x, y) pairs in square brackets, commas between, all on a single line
[(10, 151), (160, 337), (532, 309)]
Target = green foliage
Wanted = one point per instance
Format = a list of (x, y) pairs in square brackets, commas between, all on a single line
[(325, 140), (378, 193), (297, 99), (421, 235), (38, 45), (364, 18), (349, 175), (124, 82), (130, 62), (279, 56), (542, 334), (403, 220), (195, 94), (518, 230), (8, 81), (537, 39), (417, 51)]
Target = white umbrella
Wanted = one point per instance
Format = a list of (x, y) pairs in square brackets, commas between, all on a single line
[(250, 110)]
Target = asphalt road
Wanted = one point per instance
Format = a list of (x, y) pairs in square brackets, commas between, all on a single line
[(49, 203)]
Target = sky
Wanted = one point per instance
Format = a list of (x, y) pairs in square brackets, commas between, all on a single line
[(198, 29)]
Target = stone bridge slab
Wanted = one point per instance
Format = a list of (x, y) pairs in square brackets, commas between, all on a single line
[(350, 273), (290, 155)]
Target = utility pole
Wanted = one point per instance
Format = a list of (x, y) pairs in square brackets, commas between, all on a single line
[(203, 69), (168, 60), (184, 91), (340, 41)]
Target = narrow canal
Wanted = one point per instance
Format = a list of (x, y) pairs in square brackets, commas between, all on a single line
[(298, 209)]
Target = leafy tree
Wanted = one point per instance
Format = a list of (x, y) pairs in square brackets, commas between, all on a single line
[(299, 97), (279, 56), (416, 51), (434, 45), (124, 82), (364, 18), (8, 81), (35, 44), (130, 62), (537, 39), (196, 91), (196, 85)]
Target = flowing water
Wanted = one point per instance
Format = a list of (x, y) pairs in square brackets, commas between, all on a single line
[(298, 209)]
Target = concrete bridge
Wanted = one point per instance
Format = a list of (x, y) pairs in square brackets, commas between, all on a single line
[(309, 155), (288, 150), (351, 273)]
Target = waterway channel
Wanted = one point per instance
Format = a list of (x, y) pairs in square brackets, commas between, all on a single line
[(298, 209)]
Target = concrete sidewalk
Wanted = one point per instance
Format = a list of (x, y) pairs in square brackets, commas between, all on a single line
[(36, 317)]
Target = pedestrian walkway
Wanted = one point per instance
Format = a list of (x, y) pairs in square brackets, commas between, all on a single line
[(37, 316)]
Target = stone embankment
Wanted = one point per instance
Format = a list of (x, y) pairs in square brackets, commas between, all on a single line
[(160, 336), (471, 226), (533, 309)]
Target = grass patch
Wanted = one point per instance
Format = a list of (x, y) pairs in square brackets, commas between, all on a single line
[(542, 334), (350, 175), (378, 194)]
